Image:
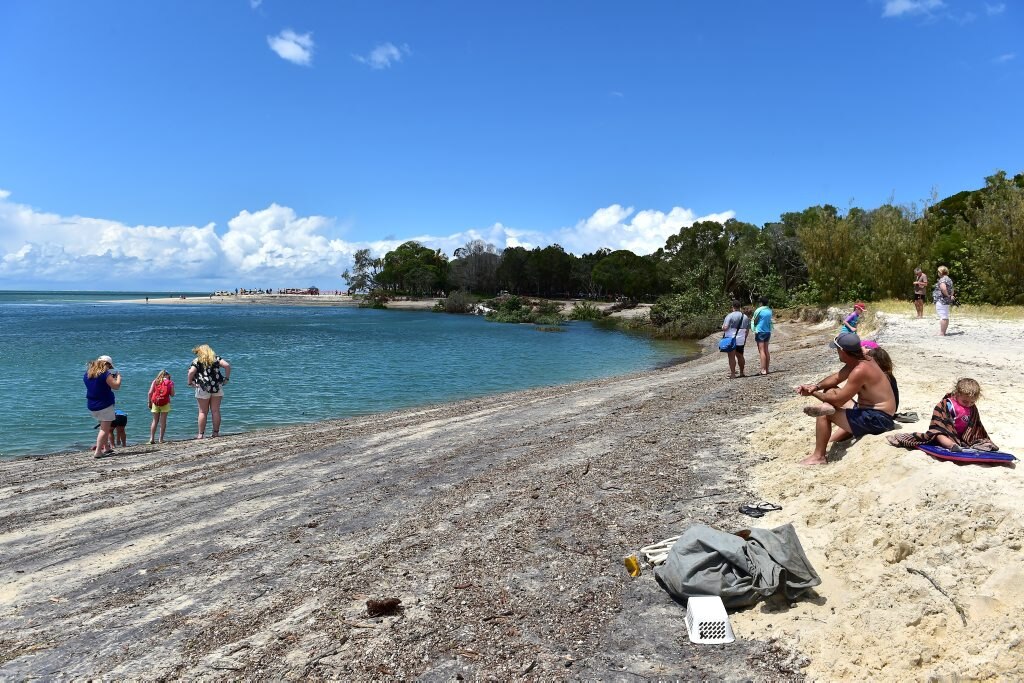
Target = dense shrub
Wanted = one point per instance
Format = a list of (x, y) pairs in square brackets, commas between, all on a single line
[(375, 299), (513, 309), (585, 310), (679, 308), (459, 301)]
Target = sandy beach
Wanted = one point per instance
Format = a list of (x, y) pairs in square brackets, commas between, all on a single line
[(501, 524), (404, 304), (880, 523)]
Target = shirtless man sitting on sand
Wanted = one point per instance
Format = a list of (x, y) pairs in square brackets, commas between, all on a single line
[(870, 413)]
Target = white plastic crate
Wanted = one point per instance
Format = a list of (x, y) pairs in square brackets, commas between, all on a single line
[(707, 621)]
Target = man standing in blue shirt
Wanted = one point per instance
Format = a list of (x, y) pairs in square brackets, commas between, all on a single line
[(761, 324)]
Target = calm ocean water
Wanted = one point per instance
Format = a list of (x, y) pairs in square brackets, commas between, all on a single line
[(289, 364)]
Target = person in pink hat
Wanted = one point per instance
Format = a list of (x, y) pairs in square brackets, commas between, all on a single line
[(850, 323)]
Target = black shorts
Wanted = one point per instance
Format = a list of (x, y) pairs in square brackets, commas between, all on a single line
[(919, 297)]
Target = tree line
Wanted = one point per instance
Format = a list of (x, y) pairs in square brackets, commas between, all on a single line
[(817, 256)]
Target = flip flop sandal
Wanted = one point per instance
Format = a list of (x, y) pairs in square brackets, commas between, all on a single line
[(760, 509), (751, 511), (907, 417)]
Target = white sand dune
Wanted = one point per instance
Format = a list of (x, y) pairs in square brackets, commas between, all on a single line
[(905, 543)]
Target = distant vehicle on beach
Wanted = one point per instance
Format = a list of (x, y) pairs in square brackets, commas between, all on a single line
[(313, 291)]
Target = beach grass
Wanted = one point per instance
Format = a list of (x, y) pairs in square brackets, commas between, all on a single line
[(987, 311)]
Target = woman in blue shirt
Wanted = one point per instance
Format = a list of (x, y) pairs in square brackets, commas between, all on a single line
[(101, 381), (761, 324)]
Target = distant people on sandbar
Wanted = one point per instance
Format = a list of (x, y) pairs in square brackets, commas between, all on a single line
[(735, 327), (850, 321), (101, 381), (208, 373), (161, 391), (761, 324), (955, 424), (858, 399), (920, 288), (942, 295)]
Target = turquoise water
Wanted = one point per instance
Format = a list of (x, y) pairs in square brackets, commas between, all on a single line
[(290, 364)]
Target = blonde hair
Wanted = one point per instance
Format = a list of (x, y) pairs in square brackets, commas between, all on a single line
[(965, 386), (97, 367), (161, 376), (204, 354), (943, 270)]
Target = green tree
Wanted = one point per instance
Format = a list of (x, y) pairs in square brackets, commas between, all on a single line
[(623, 272), (827, 243), (888, 254), (475, 267), (363, 275), (583, 271), (549, 271), (996, 240), (414, 269), (511, 270)]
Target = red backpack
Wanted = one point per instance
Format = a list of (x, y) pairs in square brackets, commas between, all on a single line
[(162, 393)]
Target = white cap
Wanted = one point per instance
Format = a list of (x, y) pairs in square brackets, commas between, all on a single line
[(106, 358)]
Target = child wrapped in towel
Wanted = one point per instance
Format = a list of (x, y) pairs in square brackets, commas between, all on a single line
[(956, 423)]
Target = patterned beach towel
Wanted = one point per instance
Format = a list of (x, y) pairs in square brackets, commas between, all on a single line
[(974, 436)]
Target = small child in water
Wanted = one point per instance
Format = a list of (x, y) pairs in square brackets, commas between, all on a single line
[(160, 392), (955, 424), (850, 323)]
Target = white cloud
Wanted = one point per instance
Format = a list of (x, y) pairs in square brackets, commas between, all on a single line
[(1002, 59), (643, 232), (383, 56), (271, 247), (993, 10), (295, 47), (268, 245), (896, 8)]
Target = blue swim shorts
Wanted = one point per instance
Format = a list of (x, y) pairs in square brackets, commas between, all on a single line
[(868, 421)]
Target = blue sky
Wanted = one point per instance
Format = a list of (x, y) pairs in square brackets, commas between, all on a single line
[(197, 144)]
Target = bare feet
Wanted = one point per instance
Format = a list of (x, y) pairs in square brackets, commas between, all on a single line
[(820, 410), (813, 460)]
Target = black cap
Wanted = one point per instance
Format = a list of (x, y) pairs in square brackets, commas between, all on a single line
[(847, 341)]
